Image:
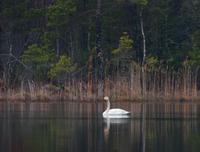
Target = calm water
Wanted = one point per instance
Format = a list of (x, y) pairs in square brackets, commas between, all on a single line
[(79, 127)]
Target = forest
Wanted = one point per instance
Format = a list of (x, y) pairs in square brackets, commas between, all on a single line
[(84, 49)]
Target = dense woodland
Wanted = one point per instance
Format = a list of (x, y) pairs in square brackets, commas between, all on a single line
[(76, 44)]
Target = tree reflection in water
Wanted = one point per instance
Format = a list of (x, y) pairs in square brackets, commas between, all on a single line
[(79, 127)]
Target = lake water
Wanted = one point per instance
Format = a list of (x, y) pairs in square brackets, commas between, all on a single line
[(79, 127)]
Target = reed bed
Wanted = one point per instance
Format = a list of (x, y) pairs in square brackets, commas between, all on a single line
[(133, 83)]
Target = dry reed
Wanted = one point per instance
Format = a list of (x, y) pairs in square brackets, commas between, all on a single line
[(130, 83)]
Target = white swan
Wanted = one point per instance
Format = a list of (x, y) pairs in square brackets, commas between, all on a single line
[(114, 113)]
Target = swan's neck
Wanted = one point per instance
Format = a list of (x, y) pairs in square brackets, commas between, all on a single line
[(108, 105)]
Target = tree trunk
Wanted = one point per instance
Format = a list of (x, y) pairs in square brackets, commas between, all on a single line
[(144, 54), (57, 44), (90, 76), (99, 51), (90, 66), (143, 36), (98, 35)]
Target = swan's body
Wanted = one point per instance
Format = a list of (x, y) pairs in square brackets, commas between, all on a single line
[(114, 113)]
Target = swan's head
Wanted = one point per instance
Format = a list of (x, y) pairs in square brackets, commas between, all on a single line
[(106, 98)]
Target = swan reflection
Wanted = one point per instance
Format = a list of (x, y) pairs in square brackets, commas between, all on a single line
[(113, 121)]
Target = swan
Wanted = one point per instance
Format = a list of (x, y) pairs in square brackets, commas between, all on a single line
[(114, 113)]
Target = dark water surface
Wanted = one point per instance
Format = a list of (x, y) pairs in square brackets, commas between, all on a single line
[(79, 127)]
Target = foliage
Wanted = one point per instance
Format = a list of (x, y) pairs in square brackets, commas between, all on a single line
[(194, 58), (35, 13), (151, 61), (39, 58), (141, 2), (47, 38), (13, 16), (194, 53), (62, 67), (42, 61), (37, 55), (138, 2), (125, 44), (60, 11), (69, 27), (196, 39)]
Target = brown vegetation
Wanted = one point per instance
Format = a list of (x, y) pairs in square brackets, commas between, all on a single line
[(125, 84)]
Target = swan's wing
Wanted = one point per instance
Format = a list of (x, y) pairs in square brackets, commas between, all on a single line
[(118, 112)]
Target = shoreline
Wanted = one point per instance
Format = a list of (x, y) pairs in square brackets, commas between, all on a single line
[(156, 100)]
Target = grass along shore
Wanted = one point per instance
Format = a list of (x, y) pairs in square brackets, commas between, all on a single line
[(132, 84)]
